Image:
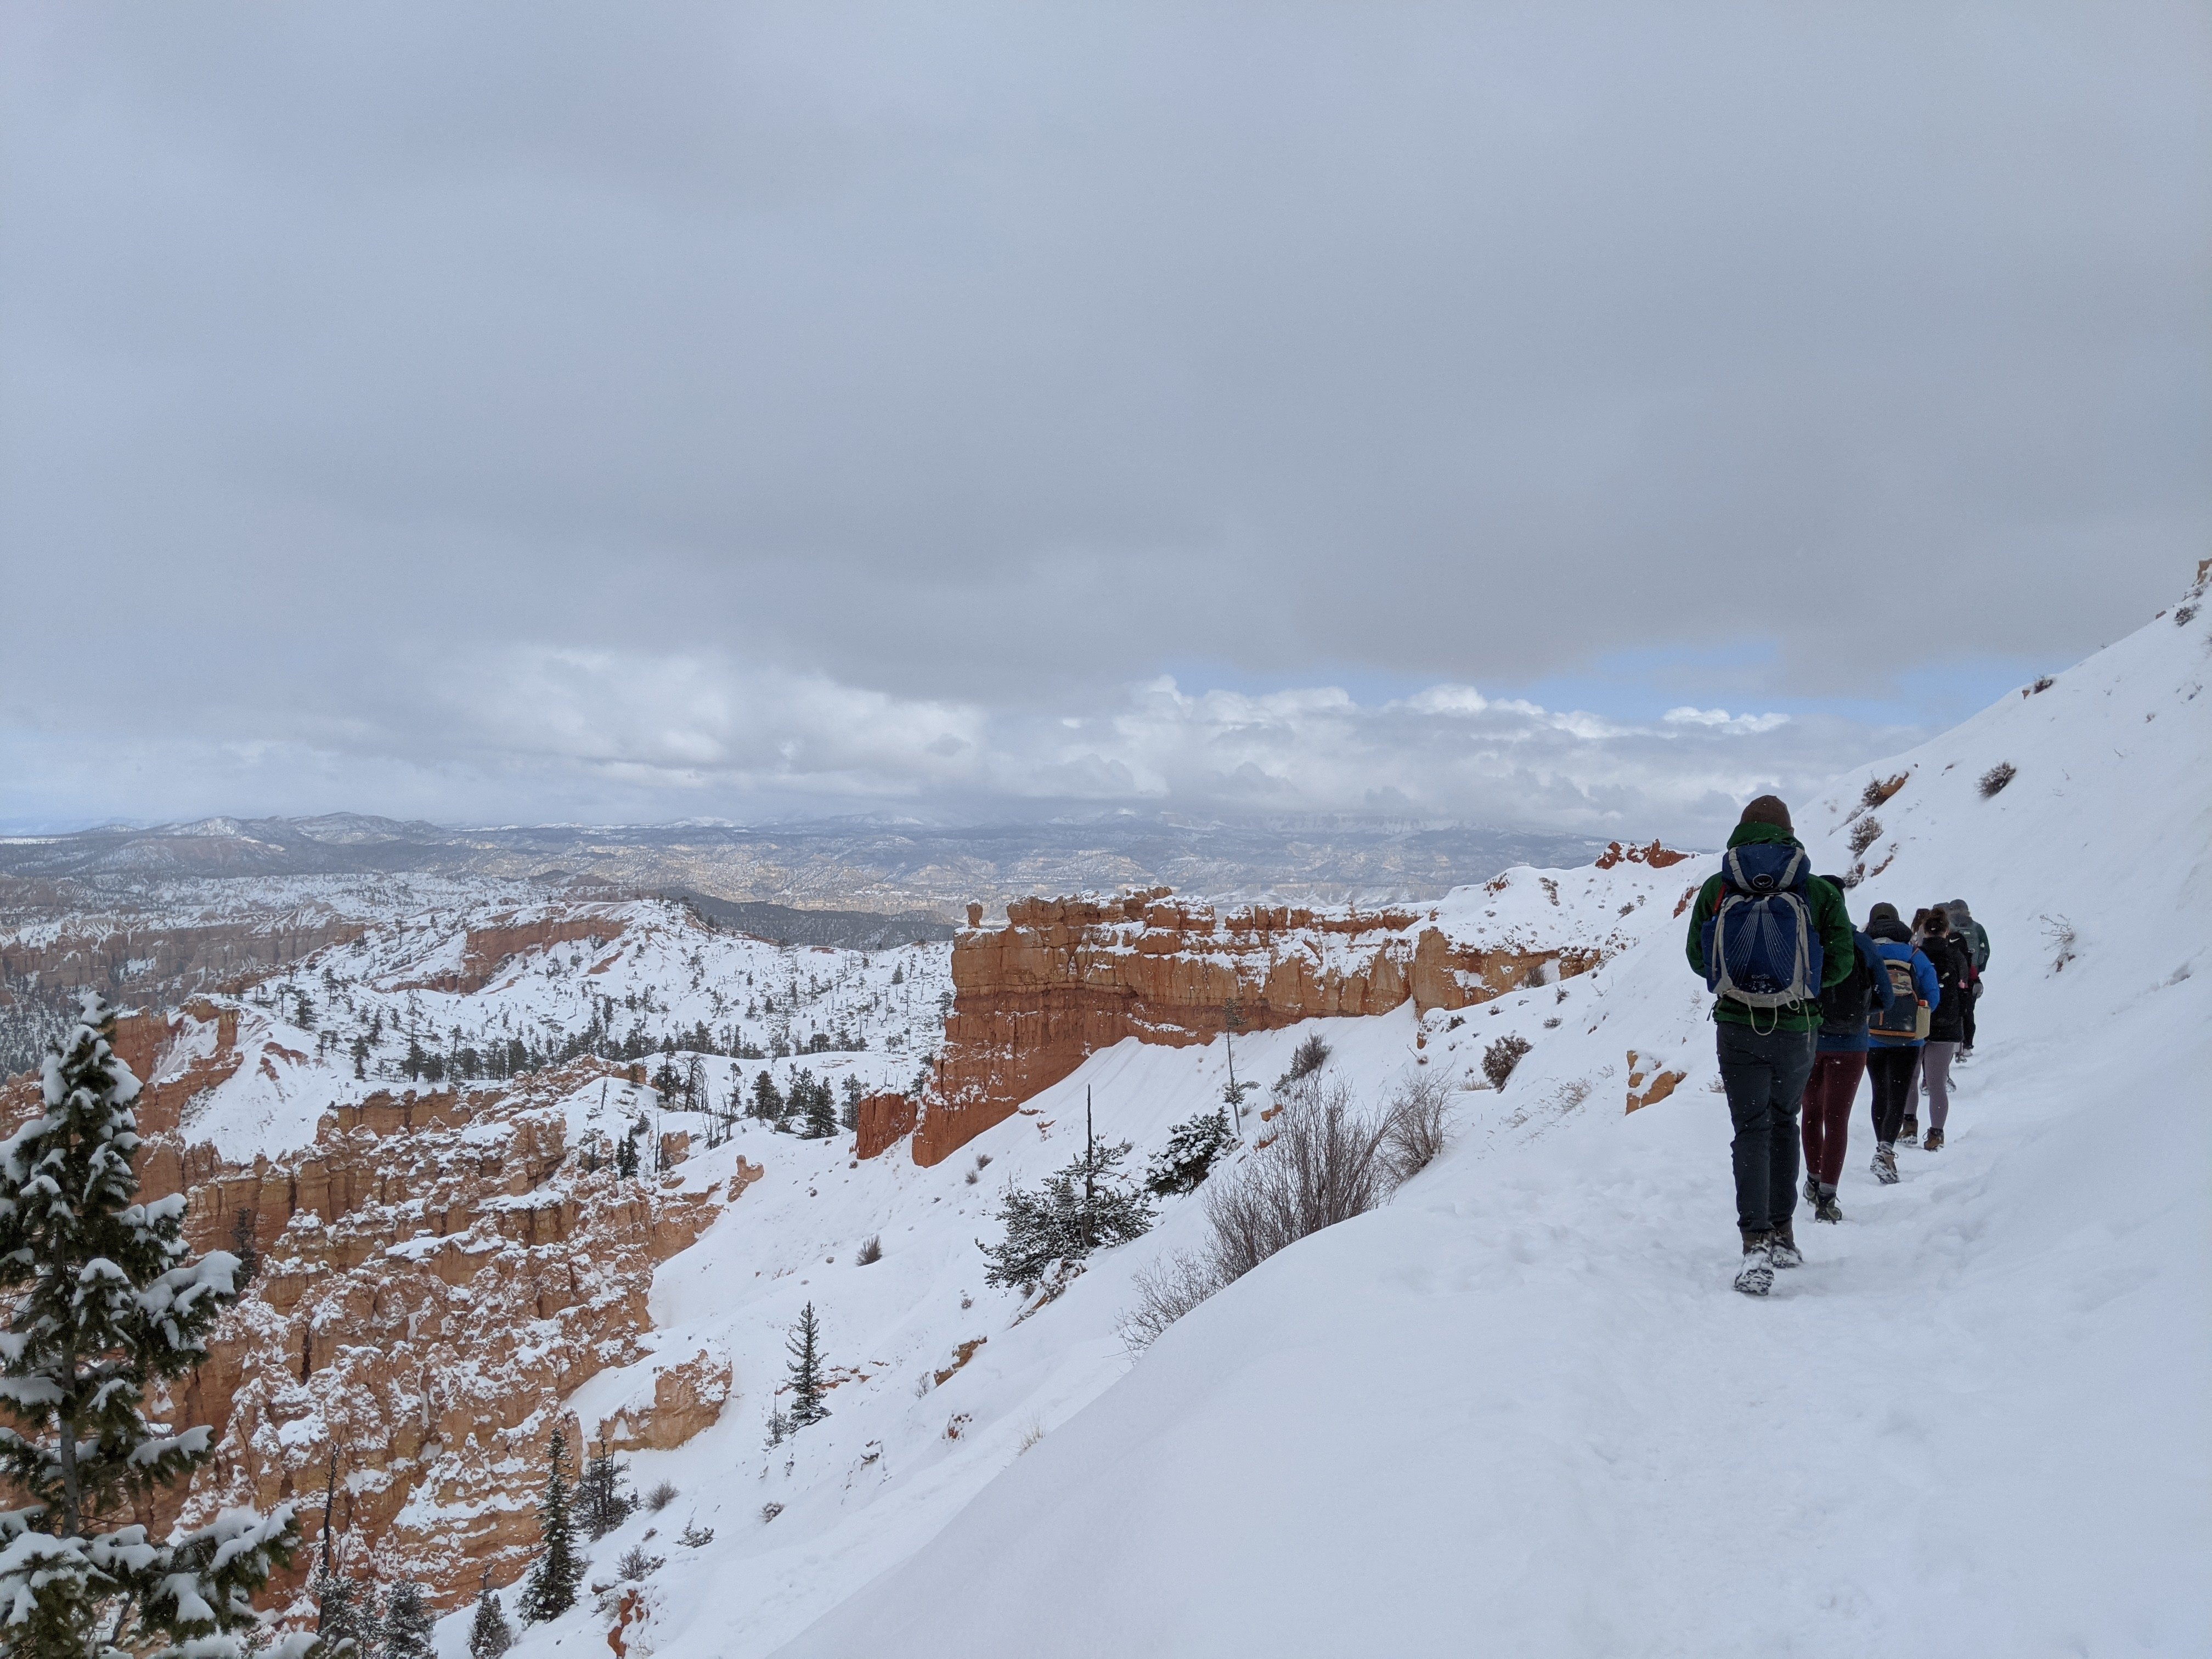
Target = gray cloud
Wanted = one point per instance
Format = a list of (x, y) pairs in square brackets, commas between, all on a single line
[(529, 411)]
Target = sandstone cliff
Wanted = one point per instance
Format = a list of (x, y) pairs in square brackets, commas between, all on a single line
[(1066, 977)]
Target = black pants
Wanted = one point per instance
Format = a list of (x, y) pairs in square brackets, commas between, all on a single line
[(1966, 1035), (1765, 1076), (1891, 1070)]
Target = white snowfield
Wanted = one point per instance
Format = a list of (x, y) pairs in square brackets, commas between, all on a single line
[(1519, 1411)]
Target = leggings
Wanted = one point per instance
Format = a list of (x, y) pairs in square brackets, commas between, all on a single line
[(1936, 1072), (1827, 1120), (1890, 1068)]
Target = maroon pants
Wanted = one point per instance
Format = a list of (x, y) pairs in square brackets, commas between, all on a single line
[(1827, 1120)]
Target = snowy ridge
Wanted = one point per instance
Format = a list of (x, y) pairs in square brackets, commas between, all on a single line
[(1520, 1400)]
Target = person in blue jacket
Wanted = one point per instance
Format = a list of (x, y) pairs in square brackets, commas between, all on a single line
[(1893, 1059), (1836, 1068)]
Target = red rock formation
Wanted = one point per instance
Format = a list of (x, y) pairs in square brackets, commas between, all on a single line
[(156, 963), (1657, 856), (1066, 977), (489, 948), (882, 1120)]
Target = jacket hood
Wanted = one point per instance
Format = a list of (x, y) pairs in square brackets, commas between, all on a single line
[(1748, 835), (1891, 928)]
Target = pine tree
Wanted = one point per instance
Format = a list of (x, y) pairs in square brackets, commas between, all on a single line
[(601, 1503), (768, 1099), (249, 1256), (409, 1626), (806, 1385), (1193, 1146), (626, 1158), (1085, 1206), (821, 1110), (105, 1302), (490, 1635), (550, 1589), (345, 1618)]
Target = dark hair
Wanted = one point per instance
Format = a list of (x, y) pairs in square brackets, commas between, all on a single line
[(1766, 809), (1936, 922)]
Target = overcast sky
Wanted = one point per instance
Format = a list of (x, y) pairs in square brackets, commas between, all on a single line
[(1562, 416)]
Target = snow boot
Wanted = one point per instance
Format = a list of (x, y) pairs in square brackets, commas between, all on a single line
[(1826, 1209), (1885, 1165), (1782, 1248), (1933, 1143), (1811, 1189), (1910, 1132), (1756, 1276)]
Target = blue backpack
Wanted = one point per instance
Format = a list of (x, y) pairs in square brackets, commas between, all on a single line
[(1761, 945)]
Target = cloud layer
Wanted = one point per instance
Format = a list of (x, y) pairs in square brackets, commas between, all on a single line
[(544, 410)]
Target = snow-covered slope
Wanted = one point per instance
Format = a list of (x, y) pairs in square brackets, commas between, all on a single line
[(1518, 1411)]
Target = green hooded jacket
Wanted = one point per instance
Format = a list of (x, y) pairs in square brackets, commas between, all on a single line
[(1830, 919)]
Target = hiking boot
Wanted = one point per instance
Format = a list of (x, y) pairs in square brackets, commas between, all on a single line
[(1756, 1276), (1782, 1248), (1933, 1143), (1826, 1208), (1811, 1189), (1910, 1130), (1885, 1165)]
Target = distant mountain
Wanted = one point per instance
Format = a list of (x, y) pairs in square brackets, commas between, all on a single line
[(885, 867)]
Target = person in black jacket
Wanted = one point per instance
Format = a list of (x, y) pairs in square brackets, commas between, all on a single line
[(1954, 969)]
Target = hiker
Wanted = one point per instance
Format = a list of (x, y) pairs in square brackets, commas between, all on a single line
[(1767, 935), (1952, 963), (1897, 1032), (1975, 939), (1840, 1062)]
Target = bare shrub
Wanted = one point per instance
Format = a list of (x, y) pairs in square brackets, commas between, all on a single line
[(872, 1250), (1325, 1167), (1864, 834), (2042, 682), (1413, 1126), (660, 1497), (1499, 1059), (636, 1563), (769, 1511), (1997, 777), (2063, 936), (1166, 1290)]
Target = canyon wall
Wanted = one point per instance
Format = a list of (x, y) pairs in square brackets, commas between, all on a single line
[(1066, 977), (436, 1274)]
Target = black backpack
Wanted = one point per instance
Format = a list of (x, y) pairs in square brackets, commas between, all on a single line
[(1845, 1004)]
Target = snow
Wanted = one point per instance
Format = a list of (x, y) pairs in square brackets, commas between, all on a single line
[(1520, 1407)]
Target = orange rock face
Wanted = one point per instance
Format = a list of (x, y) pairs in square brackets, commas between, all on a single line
[(1650, 1081), (1068, 977), (435, 1275), (882, 1120), (489, 947)]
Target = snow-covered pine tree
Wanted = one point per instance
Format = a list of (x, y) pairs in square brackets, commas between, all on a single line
[(1193, 1146), (806, 1384), (1085, 1206), (626, 1158), (104, 1303), (408, 1625), (345, 1614), (550, 1589), (490, 1635)]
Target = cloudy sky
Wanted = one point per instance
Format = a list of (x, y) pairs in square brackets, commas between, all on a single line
[(1575, 416)]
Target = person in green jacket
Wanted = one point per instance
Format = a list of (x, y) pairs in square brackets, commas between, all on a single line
[(1767, 1054)]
